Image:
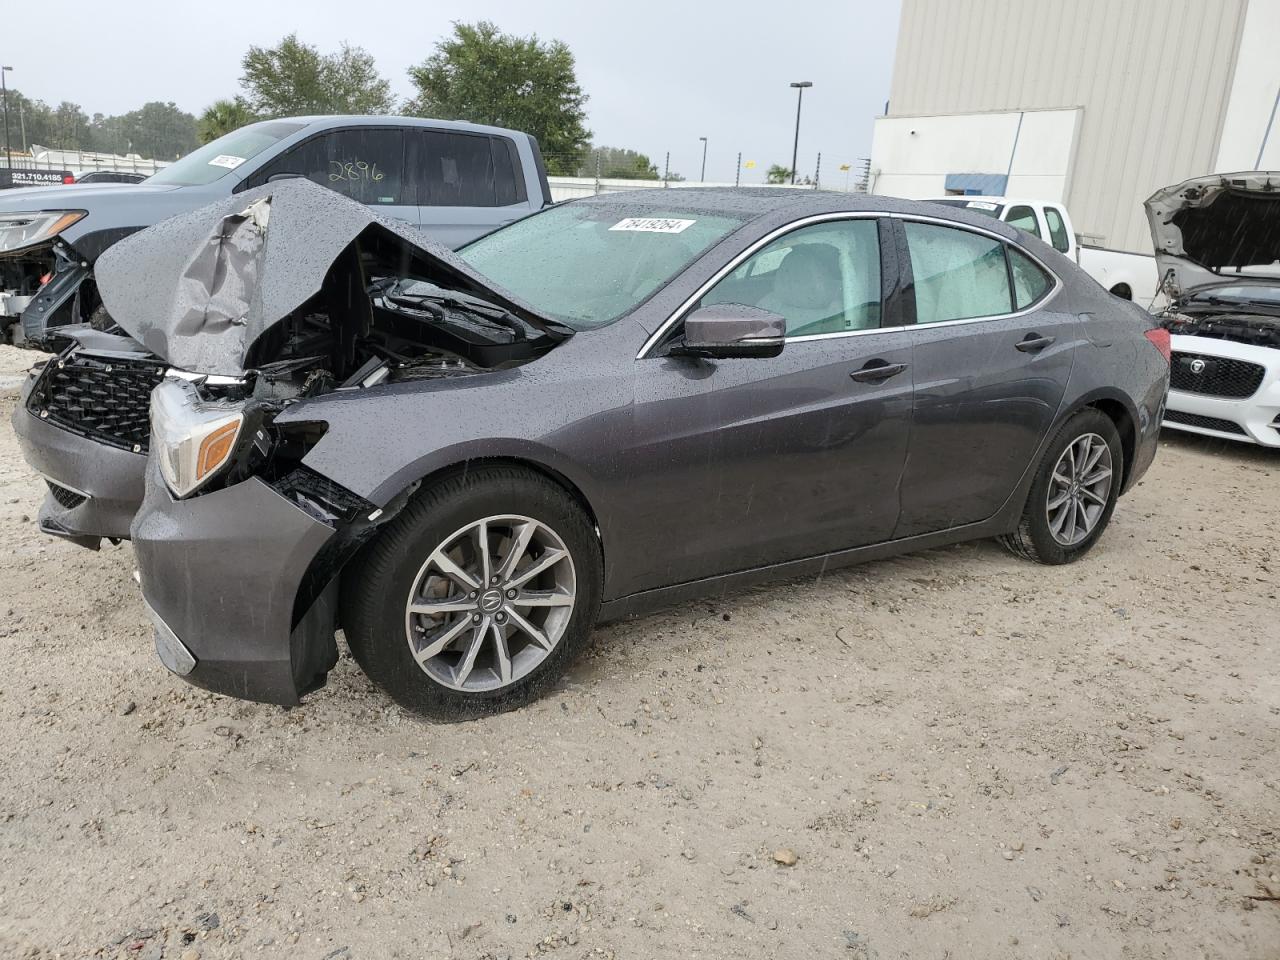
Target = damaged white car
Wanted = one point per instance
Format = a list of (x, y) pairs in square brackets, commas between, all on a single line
[(1217, 241)]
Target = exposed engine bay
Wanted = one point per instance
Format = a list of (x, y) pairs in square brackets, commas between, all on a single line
[(1253, 329)]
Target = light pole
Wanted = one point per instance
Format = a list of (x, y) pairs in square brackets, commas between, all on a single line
[(703, 177), (795, 149), (4, 93)]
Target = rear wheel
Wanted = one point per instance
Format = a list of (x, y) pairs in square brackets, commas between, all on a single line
[(1074, 492), (478, 596)]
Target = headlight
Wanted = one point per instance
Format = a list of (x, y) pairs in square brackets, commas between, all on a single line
[(192, 437), (18, 230)]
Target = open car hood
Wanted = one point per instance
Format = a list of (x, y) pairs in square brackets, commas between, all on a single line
[(1216, 229), (201, 288)]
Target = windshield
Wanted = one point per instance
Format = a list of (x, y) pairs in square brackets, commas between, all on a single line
[(1239, 293), (215, 160), (977, 206), (587, 264)]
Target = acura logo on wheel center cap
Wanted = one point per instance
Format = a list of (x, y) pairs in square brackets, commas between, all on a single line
[(490, 600)]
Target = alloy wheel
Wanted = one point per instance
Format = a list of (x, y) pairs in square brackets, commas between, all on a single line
[(1079, 489), (490, 603)]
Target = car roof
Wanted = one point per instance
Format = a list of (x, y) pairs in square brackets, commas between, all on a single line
[(750, 203), (324, 121)]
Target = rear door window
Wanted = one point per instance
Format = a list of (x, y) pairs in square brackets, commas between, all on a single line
[(363, 163), (467, 170), (958, 275), (1057, 230), (1024, 218)]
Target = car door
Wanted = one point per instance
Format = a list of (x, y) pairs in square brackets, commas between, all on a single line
[(780, 458), (365, 163), (992, 354), (468, 184)]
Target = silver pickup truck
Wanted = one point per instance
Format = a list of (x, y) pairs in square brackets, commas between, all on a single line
[(453, 180)]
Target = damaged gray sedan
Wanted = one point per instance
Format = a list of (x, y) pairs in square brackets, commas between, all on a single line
[(465, 461)]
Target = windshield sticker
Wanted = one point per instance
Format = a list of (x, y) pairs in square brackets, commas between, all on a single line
[(982, 205), (653, 225), (226, 160)]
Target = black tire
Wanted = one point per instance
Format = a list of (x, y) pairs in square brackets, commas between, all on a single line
[(376, 590), (1033, 539)]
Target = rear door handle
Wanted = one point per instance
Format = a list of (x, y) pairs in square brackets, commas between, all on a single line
[(1034, 343), (877, 370)]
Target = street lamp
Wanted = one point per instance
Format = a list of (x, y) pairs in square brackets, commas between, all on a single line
[(703, 177), (795, 149), (4, 93)]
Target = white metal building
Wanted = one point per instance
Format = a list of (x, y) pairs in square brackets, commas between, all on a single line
[(1093, 103)]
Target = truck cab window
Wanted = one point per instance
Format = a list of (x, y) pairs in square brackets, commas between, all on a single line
[(363, 163), (1057, 230), (1024, 218)]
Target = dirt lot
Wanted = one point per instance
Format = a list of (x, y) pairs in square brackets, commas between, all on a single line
[(970, 757)]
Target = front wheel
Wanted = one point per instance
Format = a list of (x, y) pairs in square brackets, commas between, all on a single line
[(478, 596), (1074, 492)]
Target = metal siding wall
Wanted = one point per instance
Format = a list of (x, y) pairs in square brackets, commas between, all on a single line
[(1153, 77)]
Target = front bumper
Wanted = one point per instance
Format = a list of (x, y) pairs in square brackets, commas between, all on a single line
[(109, 479), (220, 574), (1254, 419)]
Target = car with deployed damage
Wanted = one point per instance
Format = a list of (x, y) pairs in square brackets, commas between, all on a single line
[(455, 180), (467, 460), (1217, 242)]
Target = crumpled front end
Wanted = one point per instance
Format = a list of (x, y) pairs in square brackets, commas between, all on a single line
[(228, 579)]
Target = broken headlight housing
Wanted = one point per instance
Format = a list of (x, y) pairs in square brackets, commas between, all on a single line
[(193, 438), (18, 230)]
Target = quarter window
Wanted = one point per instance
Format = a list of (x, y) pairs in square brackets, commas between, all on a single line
[(1030, 283), (363, 163), (1024, 218), (820, 279), (1057, 230), (958, 275)]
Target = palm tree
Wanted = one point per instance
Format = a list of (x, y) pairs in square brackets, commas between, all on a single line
[(223, 116)]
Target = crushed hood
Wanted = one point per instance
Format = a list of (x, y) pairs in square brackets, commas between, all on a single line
[(199, 289), (1216, 229)]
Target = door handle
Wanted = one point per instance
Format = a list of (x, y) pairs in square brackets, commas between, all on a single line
[(1034, 343), (876, 371)]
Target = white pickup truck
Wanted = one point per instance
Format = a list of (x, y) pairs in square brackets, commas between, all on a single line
[(1132, 276)]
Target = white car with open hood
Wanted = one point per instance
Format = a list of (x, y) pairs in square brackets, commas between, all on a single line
[(1217, 241)]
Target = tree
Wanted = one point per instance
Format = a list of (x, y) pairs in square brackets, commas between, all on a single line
[(615, 162), (223, 116), (777, 174), (159, 130), (486, 76), (295, 78)]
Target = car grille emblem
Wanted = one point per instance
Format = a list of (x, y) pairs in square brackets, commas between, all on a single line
[(1197, 365)]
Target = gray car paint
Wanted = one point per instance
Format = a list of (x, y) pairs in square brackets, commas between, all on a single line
[(701, 474), (116, 211)]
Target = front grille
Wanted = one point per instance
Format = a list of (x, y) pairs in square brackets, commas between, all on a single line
[(104, 399), (1206, 423), (68, 498), (1215, 376)]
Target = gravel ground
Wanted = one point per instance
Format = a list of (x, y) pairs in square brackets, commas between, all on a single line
[(950, 754)]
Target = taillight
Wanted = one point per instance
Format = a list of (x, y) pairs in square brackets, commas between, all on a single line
[(1159, 338), (68, 178)]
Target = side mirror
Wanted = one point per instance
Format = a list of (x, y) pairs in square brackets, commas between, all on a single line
[(727, 330), (284, 176)]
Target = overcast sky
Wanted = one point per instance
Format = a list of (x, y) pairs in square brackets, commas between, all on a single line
[(659, 75)]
